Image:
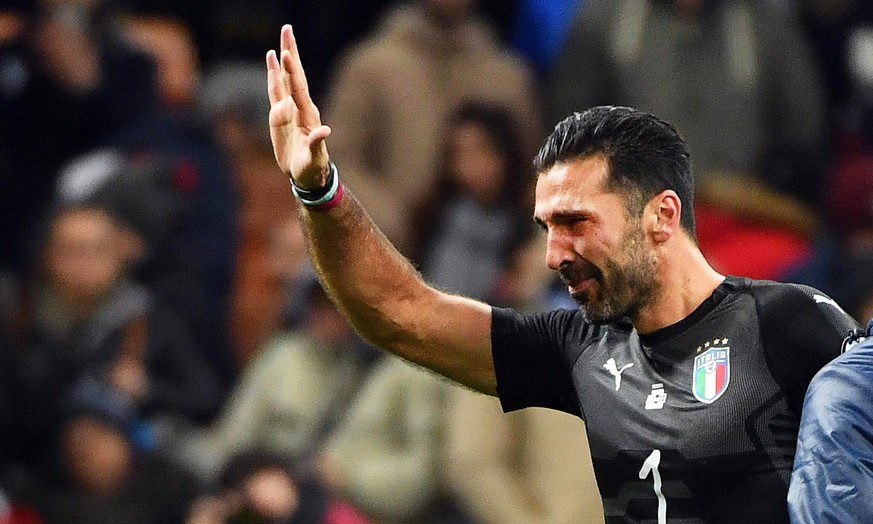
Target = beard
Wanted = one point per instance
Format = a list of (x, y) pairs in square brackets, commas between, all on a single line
[(624, 284)]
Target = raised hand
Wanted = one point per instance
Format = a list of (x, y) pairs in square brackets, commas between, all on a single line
[(295, 122)]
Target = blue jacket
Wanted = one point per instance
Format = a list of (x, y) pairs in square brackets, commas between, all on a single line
[(833, 469)]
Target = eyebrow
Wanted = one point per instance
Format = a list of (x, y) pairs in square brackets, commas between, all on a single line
[(563, 217)]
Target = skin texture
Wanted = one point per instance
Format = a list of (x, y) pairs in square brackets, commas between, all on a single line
[(599, 250), (646, 266)]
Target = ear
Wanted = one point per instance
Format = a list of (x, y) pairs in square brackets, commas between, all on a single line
[(665, 210)]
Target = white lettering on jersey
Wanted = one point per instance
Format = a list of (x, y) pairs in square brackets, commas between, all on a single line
[(657, 398), (821, 299), (615, 371)]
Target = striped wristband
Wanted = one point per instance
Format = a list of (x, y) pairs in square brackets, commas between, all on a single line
[(323, 198)]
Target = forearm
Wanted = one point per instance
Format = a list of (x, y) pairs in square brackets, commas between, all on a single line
[(360, 269), (377, 289), (390, 304)]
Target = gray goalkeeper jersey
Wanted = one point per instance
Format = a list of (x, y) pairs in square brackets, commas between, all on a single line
[(694, 423)]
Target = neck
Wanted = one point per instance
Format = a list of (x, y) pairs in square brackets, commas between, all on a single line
[(686, 279)]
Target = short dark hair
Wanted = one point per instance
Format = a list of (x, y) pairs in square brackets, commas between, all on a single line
[(645, 155)]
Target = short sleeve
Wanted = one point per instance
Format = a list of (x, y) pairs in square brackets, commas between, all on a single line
[(533, 356)]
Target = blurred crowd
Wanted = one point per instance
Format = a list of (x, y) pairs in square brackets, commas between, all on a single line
[(166, 352)]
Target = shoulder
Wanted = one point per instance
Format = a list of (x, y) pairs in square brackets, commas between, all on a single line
[(837, 393), (560, 327), (284, 349), (385, 46), (798, 313), (550, 321), (781, 297)]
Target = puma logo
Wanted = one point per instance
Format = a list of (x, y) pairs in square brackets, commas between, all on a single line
[(616, 372)]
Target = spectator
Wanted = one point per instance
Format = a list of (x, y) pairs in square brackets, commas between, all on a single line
[(104, 476), (409, 75), (387, 453), (260, 487), (81, 317), (71, 80), (505, 468), (197, 281), (475, 213), (79, 76), (228, 31), (289, 396), (232, 95)]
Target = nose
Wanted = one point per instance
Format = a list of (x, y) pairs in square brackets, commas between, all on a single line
[(559, 249)]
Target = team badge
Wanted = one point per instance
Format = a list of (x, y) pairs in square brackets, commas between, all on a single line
[(712, 374)]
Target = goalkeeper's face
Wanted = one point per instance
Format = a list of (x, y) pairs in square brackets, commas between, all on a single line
[(600, 252)]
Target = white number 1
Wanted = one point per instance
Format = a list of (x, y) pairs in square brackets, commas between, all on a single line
[(651, 465)]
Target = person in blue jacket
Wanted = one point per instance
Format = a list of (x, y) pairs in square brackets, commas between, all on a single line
[(832, 479)]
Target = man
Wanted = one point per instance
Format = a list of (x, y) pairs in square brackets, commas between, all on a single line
[(703, 426), (422, 62), (833, 474)]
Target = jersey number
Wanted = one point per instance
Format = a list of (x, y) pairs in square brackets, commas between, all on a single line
[(651, 465)]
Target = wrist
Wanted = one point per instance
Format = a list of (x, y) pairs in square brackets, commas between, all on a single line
[(322, 198), (311, 182)]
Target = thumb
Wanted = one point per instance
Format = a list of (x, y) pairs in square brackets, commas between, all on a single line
[(318, 135)]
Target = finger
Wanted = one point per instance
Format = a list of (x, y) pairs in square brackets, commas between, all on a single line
[(297, 81), (294, 66), (284, 42), (318, 135), (275, 88)]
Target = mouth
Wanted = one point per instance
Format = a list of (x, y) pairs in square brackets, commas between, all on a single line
[(581, 287), (579, 280)]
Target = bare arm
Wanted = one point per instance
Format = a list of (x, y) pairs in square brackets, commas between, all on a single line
[(377, 288)]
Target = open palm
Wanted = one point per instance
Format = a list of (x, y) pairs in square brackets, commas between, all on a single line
[(295, 123)]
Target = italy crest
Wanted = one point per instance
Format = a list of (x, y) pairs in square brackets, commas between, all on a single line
[(712, 374)]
